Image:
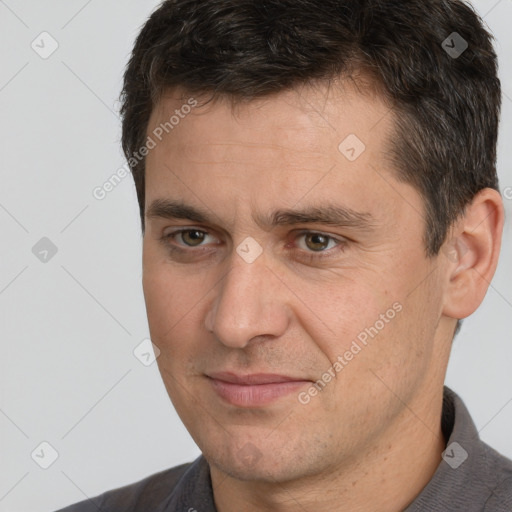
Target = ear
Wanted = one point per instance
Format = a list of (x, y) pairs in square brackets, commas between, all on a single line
[(472, 253)]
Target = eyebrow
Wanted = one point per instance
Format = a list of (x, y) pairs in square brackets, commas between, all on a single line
[(333, 215)]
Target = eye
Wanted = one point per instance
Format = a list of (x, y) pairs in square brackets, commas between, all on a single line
[(315, 246), (311, 245), (317, 242), (189, 237)]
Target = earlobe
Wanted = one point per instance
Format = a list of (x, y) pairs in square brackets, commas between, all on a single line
[(472, 254)]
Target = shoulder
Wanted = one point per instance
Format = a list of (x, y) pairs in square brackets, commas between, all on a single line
[(500, 496), (141, 495)]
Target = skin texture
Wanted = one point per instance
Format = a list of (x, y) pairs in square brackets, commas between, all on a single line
[(371, 439)]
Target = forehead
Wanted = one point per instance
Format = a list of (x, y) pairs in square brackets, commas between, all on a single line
[(312, 115), (314, 145)]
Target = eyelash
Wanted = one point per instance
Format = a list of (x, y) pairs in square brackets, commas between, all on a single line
[(312, 256)]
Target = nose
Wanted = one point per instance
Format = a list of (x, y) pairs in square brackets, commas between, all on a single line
[(250, 301)]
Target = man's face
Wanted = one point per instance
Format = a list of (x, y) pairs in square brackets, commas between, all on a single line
[(237, 295)]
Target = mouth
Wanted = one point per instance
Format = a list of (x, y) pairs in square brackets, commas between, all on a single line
[(254, 390)]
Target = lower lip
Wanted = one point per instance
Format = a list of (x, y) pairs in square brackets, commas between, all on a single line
[(254, 395)]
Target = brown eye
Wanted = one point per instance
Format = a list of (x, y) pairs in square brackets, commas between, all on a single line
[(193, 237), (316, 241)]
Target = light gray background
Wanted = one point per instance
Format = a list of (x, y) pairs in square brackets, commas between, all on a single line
[(69, 326)]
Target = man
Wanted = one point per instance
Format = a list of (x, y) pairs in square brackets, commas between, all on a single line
[(320, 207)]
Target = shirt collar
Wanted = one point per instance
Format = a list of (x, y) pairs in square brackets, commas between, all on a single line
[(460, 477)]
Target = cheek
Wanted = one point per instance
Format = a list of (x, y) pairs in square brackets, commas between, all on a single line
[(347, 310), (170, 300), (172, 312)]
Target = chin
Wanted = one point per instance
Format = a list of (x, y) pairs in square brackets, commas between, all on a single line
[(264, 471), (246, 462)]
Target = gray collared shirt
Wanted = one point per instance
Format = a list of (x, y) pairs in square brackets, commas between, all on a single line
[(472, 477)]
